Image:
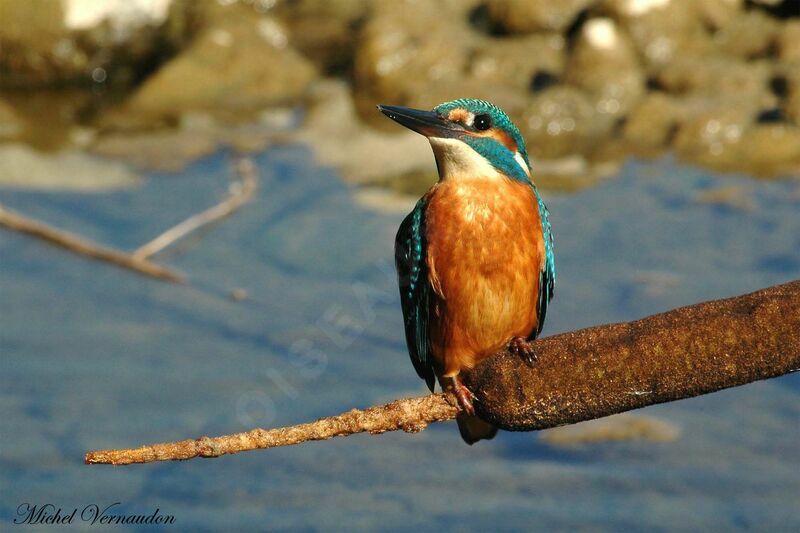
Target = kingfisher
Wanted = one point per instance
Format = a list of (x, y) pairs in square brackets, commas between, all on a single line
[(475, 257)]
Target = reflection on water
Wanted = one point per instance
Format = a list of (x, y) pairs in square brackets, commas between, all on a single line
[(96, 357)]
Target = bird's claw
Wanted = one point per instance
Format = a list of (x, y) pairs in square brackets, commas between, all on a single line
[(524, 349), (464, 397)]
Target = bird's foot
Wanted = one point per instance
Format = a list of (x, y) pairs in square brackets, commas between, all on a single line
[(524, 349), (463, 395)]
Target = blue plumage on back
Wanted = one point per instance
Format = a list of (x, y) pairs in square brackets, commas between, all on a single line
[(415, 290), (547, 277)]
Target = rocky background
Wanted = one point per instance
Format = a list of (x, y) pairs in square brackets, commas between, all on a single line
[(162, 82)]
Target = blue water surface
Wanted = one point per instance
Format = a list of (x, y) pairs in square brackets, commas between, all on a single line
[(94, 357)]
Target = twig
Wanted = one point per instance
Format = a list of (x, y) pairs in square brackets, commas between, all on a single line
[(20, 223), (241, 193), (579, 375), (411, 415)]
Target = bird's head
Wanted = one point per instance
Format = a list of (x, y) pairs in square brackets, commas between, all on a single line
[(470, 138)]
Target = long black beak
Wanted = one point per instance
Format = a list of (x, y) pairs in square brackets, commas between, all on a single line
[(428, 123)]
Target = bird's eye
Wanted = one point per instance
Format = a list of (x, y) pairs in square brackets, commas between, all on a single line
[(482, 122)]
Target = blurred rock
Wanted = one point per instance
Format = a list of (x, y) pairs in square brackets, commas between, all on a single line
[(772, 149), (165, 151), (771, 116), (48, 118), (781, 9), (24, 168), (789, 76), (653, 122), (324, 30), (50, 42), (10, 124), (198, 134), (714, 138), (662, 30), (410, 43), (81, 137), (561, 121), (385, 201), (515, 61), (362, 155), (525, 16), (604, 63), (726, 79), (585, 79), (719, 13), (623, 427), (240, 63), (787, 42), (256, 136), (543, 80), (750, 34), (571, 173), (730, 196), (29, 35)]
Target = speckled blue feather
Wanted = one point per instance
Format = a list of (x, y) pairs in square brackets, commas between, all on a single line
[(547, 277), (415, 290)]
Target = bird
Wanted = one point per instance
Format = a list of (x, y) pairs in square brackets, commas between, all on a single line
[(474, 258)]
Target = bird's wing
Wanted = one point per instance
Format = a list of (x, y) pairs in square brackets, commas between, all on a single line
[(415, 290), (547, 276)]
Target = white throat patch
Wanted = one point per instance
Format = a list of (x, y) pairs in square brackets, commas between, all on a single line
[(458, 161), (521, 162)]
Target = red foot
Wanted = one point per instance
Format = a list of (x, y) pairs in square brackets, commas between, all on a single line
[(523, 349), (463, 395)]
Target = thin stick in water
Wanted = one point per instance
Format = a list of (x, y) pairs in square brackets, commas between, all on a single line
[(22, 224), (241, 193)]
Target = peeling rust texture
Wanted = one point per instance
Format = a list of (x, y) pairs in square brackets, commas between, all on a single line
[(608, 369)]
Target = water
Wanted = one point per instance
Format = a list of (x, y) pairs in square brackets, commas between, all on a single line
[(96, 357)]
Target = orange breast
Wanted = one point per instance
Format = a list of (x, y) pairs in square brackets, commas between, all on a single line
[(485, 252)]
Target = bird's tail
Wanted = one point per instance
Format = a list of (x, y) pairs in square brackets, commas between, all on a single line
[(474, 429)]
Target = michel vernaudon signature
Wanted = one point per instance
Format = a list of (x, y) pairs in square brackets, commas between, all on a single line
[(91, 514)]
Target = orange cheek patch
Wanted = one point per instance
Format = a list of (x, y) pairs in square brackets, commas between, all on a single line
[(458, 114), (501, 137)]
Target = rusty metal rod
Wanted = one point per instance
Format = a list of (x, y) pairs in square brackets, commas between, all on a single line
[(609, 369)]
